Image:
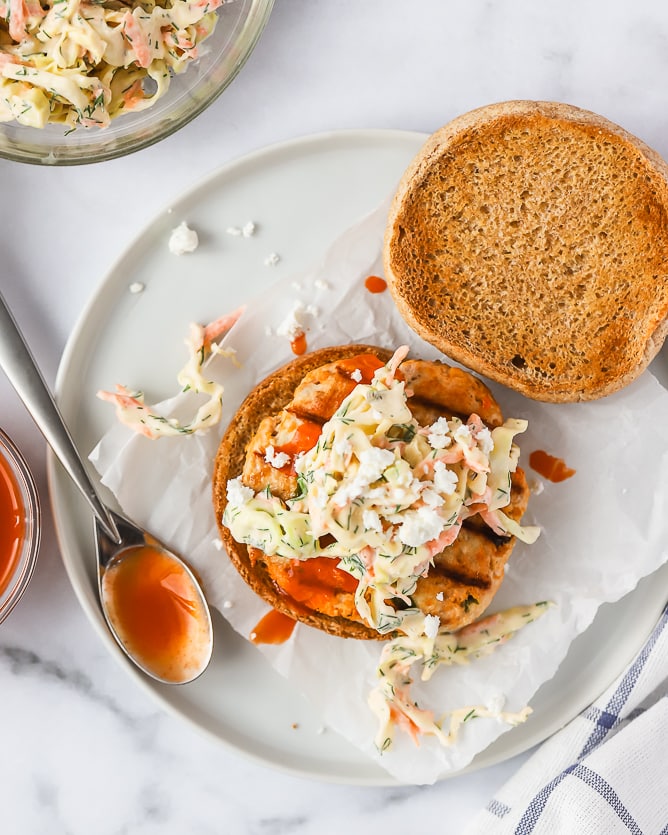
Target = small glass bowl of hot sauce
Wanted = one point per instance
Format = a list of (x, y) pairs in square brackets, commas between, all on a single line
[(19, 525)]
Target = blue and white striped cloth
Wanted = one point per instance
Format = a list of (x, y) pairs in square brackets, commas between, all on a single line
[(604, 773)]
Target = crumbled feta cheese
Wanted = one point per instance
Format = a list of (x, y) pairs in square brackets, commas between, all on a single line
[(268, 330), (272, 259), (276, 459), (445, 480), (248, 229), (218, 544), (293, 324), (420, 526), (227, 604), (371, 521), (536, 486), (296, 285), (356, 376), (136, 287), (431, 625), (438, 434), (440, 596), (431, 498), (235, 231), (237, 493), (320, 284), (183, 239), (342, 447), (485, 440), (462, 434), (373, 462)]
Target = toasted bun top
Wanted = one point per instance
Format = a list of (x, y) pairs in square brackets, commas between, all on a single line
[(529, 241)]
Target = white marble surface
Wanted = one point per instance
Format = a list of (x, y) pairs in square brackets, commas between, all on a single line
[(83, 751)]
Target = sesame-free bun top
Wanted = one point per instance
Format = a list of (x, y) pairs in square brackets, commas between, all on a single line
[(529, 241)]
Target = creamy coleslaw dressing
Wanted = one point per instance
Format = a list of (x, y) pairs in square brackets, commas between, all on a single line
[(390, 700), (392, 495), (83, 63)]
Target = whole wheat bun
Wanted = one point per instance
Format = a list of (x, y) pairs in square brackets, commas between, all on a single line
[(529, 241)]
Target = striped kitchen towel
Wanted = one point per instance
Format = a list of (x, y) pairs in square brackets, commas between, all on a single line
[(604, 773)]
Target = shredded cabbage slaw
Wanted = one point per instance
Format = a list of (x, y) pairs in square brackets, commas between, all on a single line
[(82, 62), (392, 495), (132, 411)]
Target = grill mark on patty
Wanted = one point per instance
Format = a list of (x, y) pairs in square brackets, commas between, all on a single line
[(460, 577), (484, 530)]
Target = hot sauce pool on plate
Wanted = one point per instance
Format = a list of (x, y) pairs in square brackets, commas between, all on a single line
[(19, 525)]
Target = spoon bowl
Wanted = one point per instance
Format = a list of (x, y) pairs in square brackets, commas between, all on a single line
[(153, 604), (151, 600)]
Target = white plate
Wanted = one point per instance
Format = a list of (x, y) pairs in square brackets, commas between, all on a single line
[(301, 194)]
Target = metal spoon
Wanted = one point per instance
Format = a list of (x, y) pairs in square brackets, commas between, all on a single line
[(116, 537)]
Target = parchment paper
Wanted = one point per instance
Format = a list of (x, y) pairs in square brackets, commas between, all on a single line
[(603, 529)]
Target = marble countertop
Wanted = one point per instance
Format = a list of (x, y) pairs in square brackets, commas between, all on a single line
[(83, 749)]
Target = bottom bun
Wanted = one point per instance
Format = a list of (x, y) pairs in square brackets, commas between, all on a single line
[(464, 577)]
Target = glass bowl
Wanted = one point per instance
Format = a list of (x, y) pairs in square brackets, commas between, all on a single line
[(222, 55), (18, 551)]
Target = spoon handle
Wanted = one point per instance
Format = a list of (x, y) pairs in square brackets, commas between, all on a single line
[(18, 363)]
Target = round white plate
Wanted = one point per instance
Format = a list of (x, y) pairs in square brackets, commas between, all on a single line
[(301, 195)]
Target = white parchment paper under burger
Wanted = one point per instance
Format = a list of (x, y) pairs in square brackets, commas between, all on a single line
[(602, 530)]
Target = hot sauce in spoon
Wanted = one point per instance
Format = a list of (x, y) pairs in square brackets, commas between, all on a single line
[(157, 612)]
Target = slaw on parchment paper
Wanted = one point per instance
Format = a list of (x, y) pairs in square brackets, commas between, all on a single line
[(602, 530)]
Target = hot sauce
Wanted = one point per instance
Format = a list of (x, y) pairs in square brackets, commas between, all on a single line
[(157, 613), (551, 468), (298, 344), (304, 437), (375, 284), (12, 524), (312, 582), (273, 628), (366, 364), (308, 584)]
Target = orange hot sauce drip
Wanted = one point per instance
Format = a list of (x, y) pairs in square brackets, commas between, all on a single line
[(309, 584), (551, 468), (375, 284), (12, 524), (298, 344), (273, 628), (156, 612), (312, 582)]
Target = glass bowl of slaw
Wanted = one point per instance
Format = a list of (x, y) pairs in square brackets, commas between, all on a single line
[(20, 520), (102, 108)]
